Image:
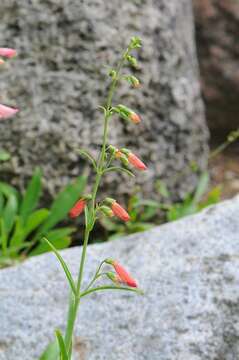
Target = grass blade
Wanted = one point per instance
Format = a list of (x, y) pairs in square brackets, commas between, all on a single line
[(63, 203), (32, 195), (51, 352), (62, 345)]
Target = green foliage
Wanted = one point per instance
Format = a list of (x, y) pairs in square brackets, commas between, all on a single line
[(141, 212), (145, 214), (51, 352), (195, 201), (62, 345), (4, 155), (22, 225)]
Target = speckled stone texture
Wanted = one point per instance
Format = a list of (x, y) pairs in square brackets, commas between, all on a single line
[(58, 81), (190, 311)]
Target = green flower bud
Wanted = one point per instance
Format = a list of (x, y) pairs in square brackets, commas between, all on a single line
[(106, 211), (135, 42), (132, 60), (112, 73)]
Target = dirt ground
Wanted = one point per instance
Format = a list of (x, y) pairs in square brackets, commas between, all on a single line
[(224, 170)]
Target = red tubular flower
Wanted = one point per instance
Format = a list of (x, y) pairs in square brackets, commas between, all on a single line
[(136, 162), (7, 112), (124, 276), (77, 208), (134, 117), (119, 211), (8, 53)]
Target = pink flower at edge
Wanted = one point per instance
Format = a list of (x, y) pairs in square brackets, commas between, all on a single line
[(7, 52), (124, 276), (7, 112)]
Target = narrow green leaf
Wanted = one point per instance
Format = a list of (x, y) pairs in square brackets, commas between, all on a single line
[(10, 212), (35, 220), (86, 154), (139, 227), (8, 190), (64, 266), (60, 243), (56, 234), (162, 189), (51, 352), (2, 201), (62, 345), (18, 234), (63, 203), (201, 187), (213, 197), (3, 238), (31, 196)]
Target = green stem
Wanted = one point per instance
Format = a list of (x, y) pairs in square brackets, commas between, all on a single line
[(72, 313), (110, 287), (74, 304)]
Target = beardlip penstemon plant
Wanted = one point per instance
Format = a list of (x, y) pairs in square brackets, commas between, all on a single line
[(119, 278)]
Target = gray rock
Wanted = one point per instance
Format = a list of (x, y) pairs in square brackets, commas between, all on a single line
[(216, 36), (58, 81), (190, 311)]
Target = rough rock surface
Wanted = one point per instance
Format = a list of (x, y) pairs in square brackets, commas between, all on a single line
[(190, 273), (57, 82), (217, 34)]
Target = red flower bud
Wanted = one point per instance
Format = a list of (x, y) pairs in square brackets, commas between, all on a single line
[(124, 276), (77, 208), (7, 112), (119, 211), (136, 162), (8, 53), (127, 114), (134, 117), (118, 154)]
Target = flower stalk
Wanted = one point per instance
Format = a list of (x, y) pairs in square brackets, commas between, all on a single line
[(109, 207)]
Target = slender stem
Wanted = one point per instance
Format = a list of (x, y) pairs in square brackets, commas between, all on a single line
[(95, 276), (110, 287), (219, 149), (74, 303), (83, 256), (72, 313)]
